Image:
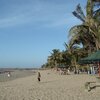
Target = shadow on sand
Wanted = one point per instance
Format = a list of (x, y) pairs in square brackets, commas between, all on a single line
[(94, 87)]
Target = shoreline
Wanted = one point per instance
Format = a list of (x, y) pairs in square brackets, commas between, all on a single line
[(15, 74)]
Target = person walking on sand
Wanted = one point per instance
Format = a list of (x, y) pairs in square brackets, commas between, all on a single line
[(39, 76), (9, 74)]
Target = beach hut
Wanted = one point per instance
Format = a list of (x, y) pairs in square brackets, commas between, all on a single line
[(93, 58)]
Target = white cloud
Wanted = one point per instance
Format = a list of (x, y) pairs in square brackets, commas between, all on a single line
[(50, 15)]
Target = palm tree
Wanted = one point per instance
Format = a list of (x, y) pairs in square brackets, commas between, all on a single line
[(72, 54), (88, 33), (93, 23), (55, 58)]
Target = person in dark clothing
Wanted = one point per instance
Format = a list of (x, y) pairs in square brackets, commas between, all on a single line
[(39, 76)]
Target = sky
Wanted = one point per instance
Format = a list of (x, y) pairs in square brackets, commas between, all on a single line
[(31, 29)]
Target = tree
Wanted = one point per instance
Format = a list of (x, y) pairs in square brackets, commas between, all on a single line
[(88, 33), (55, 58)]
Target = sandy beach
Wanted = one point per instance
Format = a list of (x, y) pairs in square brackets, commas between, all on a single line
[(52, 87)]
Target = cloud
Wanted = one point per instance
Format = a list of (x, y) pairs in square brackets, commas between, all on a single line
[(14, 20), (44, 14)]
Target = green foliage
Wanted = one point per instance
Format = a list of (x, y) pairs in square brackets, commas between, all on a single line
[(84, 38)]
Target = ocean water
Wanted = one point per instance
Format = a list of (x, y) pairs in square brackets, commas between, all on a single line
[(16, 74)]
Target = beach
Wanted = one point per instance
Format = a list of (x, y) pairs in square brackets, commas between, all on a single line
[(51, 87)]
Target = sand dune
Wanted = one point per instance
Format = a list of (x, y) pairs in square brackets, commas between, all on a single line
[(52, 87)]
